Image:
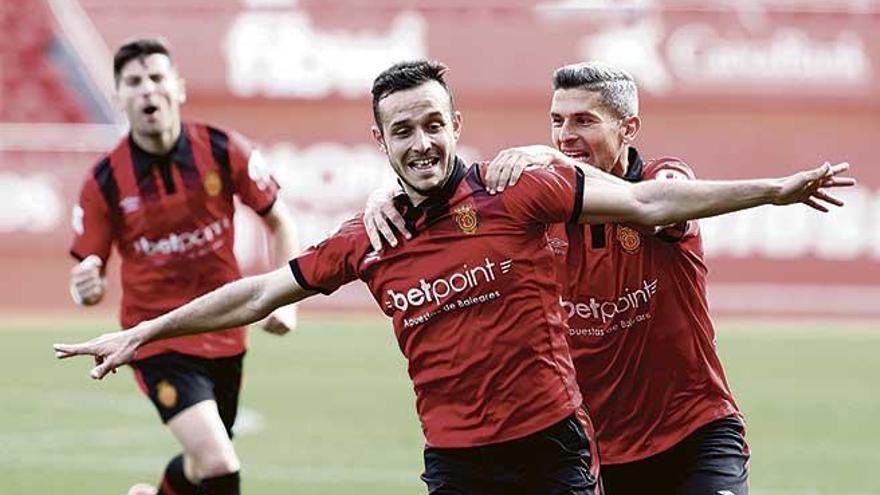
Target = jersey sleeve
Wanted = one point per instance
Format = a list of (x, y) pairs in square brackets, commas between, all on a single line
[(547, 195), (92, 224), (673, 169), (251, 176), (333, 262)]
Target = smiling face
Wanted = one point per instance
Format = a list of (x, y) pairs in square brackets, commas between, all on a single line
[(419, 132), (151, 92), (584, 128)]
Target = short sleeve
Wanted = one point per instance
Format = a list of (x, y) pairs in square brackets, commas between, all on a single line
[(251, 175), (673, 169), (547, 195), (333, 262), (91, 223)]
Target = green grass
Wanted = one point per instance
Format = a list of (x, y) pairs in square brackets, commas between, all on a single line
[(334, 412)]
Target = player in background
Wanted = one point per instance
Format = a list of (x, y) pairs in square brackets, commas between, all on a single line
[(164, 198), (473, 295), (640, 333)]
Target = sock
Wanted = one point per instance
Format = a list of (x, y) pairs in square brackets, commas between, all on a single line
[(228, 484), (174, 482)]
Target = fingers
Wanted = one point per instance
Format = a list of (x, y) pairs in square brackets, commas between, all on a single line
[(394, 216), (100, 371), (827, 198), (63, 351), (813, 204), (493, 171), (516, 173), (373, 232)]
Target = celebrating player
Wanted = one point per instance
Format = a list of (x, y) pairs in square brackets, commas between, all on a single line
[(164, 198), (473, 295), (639, 328)]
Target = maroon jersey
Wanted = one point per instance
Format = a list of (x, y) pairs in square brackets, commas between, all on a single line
[(170, 218), (640, 333), (474, 301)]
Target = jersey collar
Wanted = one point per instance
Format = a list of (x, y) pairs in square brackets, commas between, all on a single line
[(636, 167)]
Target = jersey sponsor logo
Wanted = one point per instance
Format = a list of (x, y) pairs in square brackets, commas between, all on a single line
[(466, 218), (182, 242), (629, 239), (212, 183), (166, 394), (436, 291), (606, 311), (130, 204)]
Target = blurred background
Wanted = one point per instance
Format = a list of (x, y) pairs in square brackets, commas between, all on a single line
[(735, 88)]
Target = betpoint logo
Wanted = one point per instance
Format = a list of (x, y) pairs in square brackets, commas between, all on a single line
[(185, 241), (437, 290), (606, 310)]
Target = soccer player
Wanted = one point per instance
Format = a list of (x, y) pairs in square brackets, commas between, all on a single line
[(164, 197), (640, 333), (473, 296)]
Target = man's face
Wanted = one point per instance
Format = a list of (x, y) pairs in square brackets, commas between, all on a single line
[(585, 129), (151, 94), (419, 134)]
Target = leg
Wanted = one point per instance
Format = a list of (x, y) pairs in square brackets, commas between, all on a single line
[(183, 391), (715, 460)]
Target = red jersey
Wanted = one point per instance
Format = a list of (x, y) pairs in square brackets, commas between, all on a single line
[(640, 333), (474, 301), (170, 218)]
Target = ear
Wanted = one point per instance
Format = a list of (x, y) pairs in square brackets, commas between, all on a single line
[(379, 139), (456, 124), (630, 127)]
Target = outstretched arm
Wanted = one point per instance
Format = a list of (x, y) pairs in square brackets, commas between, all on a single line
[(238, 303), (665, 202), (609, 199)]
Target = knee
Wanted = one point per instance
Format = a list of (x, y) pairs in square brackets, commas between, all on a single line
[(215, 463)]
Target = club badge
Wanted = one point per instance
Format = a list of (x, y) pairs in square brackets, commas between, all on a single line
[(167, 394), (629, 239), (466, 218)]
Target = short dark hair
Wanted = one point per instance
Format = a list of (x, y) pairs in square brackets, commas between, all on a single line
[(137, 49), (407, 75), (616, 86)]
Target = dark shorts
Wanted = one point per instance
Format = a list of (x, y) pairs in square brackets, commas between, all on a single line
[(554, 461), (175, 382), (714, 460)]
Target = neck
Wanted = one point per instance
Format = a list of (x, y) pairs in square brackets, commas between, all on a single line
[(158, 144), (621, 168)]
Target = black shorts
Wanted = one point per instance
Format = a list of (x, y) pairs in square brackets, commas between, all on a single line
[(553, 461), (175, 382), (710, 461)]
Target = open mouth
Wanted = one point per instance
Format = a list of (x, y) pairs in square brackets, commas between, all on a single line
[(581, 156), (150, 109), (426, 163)]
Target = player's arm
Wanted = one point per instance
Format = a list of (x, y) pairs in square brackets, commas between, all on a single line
[(238, 303), (609, 199), (283, 246), (92, 240), (668, 202)]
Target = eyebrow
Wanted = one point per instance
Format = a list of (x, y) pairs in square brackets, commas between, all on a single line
[(400, 123), (576, 114)]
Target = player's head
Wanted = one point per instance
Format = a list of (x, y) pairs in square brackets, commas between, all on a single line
[(417, 126), (148, 87), (594, 115)]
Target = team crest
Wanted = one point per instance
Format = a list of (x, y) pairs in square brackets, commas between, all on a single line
[(466, 219), (167, 394), (213, 184), (629, 239)]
